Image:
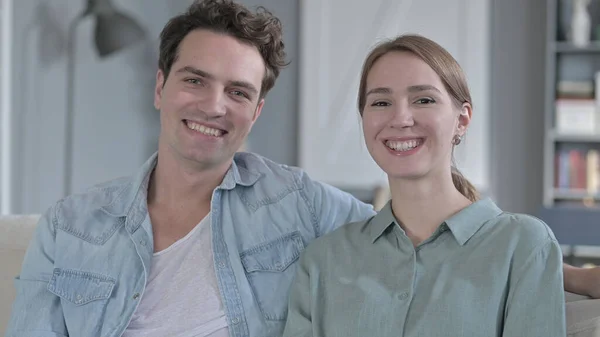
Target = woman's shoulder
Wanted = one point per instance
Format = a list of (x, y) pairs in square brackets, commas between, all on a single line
[(523, 233), (526, 225)]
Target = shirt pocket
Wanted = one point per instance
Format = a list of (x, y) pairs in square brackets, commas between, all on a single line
[(270, 269), (84, 296)]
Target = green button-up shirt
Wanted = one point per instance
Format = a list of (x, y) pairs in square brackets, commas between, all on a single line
[(484, 272)]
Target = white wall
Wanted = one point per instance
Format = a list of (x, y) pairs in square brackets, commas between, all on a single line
[(116, 125), (336, 36), (279, 117), (5, 115)]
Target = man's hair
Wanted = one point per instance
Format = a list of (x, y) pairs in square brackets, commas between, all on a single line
[(260, 29)]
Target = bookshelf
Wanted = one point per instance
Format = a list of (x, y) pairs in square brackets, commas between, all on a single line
[(571, 177), (573, 137), (566, 47)]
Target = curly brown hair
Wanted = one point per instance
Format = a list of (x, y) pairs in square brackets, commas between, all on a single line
[(260, 29)]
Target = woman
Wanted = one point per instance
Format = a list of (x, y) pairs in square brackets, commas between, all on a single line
[(436, 260)]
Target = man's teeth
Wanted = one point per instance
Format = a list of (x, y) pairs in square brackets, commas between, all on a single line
[(403, 146), (204, 129)]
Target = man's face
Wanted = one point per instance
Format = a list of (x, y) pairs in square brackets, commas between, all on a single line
[(210, 99)]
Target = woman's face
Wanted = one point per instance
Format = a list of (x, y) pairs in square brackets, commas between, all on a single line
[(409, 119)]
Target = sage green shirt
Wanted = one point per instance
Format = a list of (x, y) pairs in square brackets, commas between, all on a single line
[(484, 272)]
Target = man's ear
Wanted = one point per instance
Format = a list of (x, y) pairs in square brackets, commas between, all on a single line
[(158, 90), (258, 110)]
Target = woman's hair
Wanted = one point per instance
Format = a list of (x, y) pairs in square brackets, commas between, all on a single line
[(446, 67)]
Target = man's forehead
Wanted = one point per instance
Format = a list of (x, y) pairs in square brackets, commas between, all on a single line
[(220, 54)]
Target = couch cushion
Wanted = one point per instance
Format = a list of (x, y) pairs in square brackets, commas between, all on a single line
[(583, 318), (15, 234)]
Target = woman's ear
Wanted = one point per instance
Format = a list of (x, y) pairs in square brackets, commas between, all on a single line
[(464, 118)]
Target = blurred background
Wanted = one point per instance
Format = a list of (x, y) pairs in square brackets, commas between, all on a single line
[(77, 79)]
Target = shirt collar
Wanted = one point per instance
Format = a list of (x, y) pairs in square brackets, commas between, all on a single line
[(463, 224), (134, 193), (381, 221), (469, 220), (239, 173)]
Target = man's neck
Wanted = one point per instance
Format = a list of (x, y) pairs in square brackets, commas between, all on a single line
[(179, 197), (177, 183), (424, 204)]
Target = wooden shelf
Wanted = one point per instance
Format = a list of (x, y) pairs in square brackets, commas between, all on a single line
[(575, 138), (567, 47)]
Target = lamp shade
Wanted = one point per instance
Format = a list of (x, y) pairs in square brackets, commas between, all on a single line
[(115, 31)]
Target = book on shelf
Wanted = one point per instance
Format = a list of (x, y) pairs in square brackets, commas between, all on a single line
[(577, 116), (577, 106), (575, 89), (578, 171)]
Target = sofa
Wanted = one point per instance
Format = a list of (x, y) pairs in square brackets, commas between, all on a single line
[(583, 314)]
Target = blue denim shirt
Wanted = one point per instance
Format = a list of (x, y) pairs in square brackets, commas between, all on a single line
[(88, 263)]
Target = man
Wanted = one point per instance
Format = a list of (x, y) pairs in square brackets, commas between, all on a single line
[(201, 241)]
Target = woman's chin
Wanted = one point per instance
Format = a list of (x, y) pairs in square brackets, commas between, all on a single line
[(405, 175)]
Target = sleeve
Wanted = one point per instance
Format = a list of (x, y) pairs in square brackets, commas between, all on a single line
[(331, 207), (536, 301), (36, 311), (299, 322)]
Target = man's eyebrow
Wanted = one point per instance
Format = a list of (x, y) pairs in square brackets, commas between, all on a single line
[(379, 90), (422, 87), (195, 71), (242, 84)]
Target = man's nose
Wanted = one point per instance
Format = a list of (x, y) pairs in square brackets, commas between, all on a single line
[(213, 104)]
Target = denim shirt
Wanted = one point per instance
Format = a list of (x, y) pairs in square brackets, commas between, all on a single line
[(86, 268)]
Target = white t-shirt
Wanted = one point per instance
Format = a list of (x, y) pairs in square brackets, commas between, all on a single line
[(182, 298)]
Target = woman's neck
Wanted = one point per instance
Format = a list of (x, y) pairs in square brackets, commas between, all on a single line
[(422, 205)]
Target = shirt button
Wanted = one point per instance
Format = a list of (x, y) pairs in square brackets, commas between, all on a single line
[(143, 243), (136, 296), (403, 296), (235, 321), (221, 264)]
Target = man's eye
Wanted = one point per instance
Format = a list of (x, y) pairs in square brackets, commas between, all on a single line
[(239, 93), (193, 81), (380, 103)]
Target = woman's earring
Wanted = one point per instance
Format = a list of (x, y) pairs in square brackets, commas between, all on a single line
[(456, 140)]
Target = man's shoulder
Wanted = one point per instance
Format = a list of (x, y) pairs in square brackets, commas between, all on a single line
[(270, 172), (100, 194), (100, 201)]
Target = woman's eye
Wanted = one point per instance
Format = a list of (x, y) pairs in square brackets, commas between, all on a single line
[(425, 101), (380, 103)]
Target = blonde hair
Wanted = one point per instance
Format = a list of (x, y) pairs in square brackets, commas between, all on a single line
[(445, 66)]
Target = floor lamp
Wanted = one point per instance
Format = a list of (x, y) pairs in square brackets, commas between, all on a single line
[(114, 31)]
